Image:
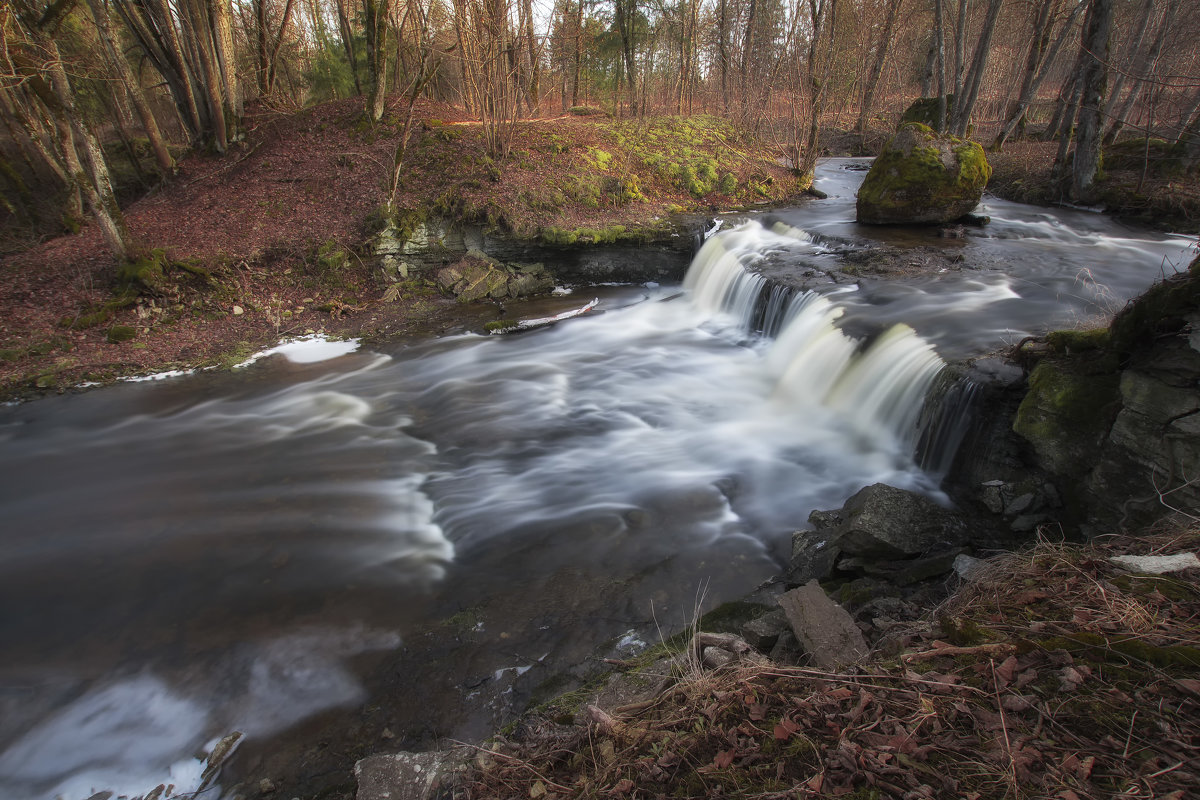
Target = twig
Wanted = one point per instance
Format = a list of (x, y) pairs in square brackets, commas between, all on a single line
[(997, 648), (1012, 764)]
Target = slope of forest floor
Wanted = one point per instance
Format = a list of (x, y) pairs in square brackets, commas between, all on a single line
[(1053, 672), (272, 239)]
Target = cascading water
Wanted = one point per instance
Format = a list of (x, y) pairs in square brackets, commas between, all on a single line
[(880, 387), (412, 539)]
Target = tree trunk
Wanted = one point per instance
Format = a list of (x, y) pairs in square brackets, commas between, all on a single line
[(347, 34), (939, 32), (1035, 72), (578, 52), (1093, 83), (1145, 69), (883, 47), (533, 86), (960, 45), (965, 99), (626, 12), (162, 155), (273, 60), (376, 20), (221, 18)]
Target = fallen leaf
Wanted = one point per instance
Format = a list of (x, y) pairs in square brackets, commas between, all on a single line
[(723, 759), (786, 728), (1006, 671), (624, 786), (758, 712), (1015, 702)]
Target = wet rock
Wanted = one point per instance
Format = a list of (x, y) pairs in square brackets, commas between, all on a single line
[(824, 629), (923, 177), (411, 776), (763, 633), (1021, 505), (1157, 565), (884, 522), (814, 554), (994, 495)]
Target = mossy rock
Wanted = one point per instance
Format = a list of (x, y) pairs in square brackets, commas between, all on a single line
[(1162, 309), (145, 272), (1066, 413), (925, 111), (121, 333), (922, 177)]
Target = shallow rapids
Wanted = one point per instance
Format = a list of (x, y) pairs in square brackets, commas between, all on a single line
[(415, 537)]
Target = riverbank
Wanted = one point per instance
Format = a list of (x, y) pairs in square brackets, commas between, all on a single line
[(1076, 680), (280, 237)]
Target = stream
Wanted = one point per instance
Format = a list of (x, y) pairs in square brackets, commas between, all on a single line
[(403, 544)]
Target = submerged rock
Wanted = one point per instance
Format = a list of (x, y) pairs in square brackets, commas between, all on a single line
[(923, 177), (411, 776)]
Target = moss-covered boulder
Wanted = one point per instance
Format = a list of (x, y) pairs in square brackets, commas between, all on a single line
[(923, 178), (925, 111)]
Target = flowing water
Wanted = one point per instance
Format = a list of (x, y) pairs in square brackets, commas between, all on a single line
[(407, 541)]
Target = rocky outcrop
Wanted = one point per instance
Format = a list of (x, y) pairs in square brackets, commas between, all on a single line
[(1115, 415), (476, 276), (881, 531), (413, 246), (923, 177)]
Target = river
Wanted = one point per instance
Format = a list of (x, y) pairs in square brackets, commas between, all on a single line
[(395, 545)]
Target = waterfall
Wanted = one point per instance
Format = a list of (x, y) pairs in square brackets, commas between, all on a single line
[(720, 282), (879, 386)]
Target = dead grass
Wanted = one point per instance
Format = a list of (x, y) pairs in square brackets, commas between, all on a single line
[(1055, 674)]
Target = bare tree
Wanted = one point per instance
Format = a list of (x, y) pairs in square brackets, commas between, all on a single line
[(37, 66), (1038, 62)]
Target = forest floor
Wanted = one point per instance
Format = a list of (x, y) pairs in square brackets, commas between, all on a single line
[(272, 239), (1050, 673)]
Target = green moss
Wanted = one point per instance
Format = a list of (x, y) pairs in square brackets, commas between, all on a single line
[(1066, 412), (1163, 308), (331, 257), (601, 159), (1105, 650), (964, 632), (909, 179), (145, 271), (1068, 342), (121, 333), (502, 325), (730, 617)]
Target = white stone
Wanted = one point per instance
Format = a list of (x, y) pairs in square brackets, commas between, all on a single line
[(1158, 565)]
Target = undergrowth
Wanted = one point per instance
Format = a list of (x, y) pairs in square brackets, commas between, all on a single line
[(1054, 674)]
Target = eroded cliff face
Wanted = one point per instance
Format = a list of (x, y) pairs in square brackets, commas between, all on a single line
[(1114, 416)]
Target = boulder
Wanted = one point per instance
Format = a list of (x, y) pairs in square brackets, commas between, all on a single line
[(884, 522), (825, 630), (923, 177)]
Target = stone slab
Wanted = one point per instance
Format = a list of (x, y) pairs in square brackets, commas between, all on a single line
[(825, 630)]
